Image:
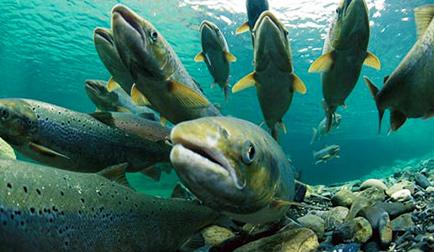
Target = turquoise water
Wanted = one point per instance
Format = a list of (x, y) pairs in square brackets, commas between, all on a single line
[(47, 51)]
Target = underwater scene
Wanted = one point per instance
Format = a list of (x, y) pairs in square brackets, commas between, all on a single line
[(217, 125)]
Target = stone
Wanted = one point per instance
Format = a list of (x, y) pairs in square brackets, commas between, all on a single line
[(313, 222), (402, 223), (301, 240), (395, 209), (422, 181), (215, 235), (373, 194), (343, 198), (401, 195), (357, 230), (373, 183), (334, 217), (430, 189), (400, 186)]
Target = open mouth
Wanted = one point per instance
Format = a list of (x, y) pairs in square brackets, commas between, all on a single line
[(129, 17), (93, 87), (104, 36)]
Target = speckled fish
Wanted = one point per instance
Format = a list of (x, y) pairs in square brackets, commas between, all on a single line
[(345, 51), (233, 166), (161, 79), (73, 141), (115, 100), (409, 91), (274, 75), (320, 131), (47, 209), (215, 53), (326, 154), (254, 10), (109, 55)]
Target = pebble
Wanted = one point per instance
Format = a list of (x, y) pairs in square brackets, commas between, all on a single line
[(334, 217), (313, 222), (402, 223), (343, 198), (357, 230), (430, 189), (373, 183), (422, 181), (215, 235), (401, 195), (400, 186)]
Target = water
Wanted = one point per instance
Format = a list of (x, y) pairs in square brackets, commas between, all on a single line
[(47, 51)]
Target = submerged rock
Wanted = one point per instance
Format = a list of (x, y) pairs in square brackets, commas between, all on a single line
[(400, 186), (215, 235), (395, 209), (422, 181), (373, 183), (401, 195), (373, 194), (334, 217), (356, 230), (402, 223), (313, 222), (343, 198)]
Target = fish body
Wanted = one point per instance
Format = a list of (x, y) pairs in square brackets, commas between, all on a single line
[(159, 75), (6, 151), (326, 154), (254, 10), (215, 53), (345, 51), (47, 209), (409, 91), (274, 75), (74, 141), (233, 166), (109, 55), (321, 130)]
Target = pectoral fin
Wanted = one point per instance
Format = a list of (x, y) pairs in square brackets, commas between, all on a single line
[(116, 173), (138, 98), (299, 85), (230, 57), (243, 28), (122, 109), (397, 119), (163, 121), (112, 85), (423, 17), (199, 57), (46, 151), (372, 61), (187, 96), (246, 82), (322, 64), (153, 173)]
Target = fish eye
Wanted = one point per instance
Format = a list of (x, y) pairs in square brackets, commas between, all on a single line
[(154, 35), (4, 114), (249, 153)]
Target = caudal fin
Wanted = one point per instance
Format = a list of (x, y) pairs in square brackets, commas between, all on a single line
[(329, 120), (374, 91), (275, 132)]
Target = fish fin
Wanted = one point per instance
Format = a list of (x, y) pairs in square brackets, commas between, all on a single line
[(46, 151), (299, 85), (386, 79), (179, 191), (246, 82), (423, 17), (397, 119), (148, 116), (112, 85), (200, 57), (138, 97), (261, 124), (163, 121), (187, 96), (226, 92), (230, 57), (122, 109), (243, 28), (372, 61), (322, 64), (103, 117), (314, 135), (152, 172), (116, 173), (283, 126), (329, 120), (275, 132), (374, 91)]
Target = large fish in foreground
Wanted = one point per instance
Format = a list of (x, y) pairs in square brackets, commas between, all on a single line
[(274, 75), (46, 209), (409, 91), (109, 55), (215, 53), (161, 79), (233, 166), (73, 141), (345, 51)]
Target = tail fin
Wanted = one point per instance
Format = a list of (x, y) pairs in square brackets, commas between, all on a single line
[(226, 92), (329, 120), (275, 132), (374, 91), (314, 135)]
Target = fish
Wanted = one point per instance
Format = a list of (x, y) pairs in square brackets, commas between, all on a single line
[(254, 10), (235, 167), (116, 100), (6, 151), (345, 52), (326, 154), (109, 55), (70, 140), (409, 91), (48, 209), (321, 130), (215, 53), (160, 77), (274, 75)]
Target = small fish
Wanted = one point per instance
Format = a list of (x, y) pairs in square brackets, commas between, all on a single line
[(274, 75), (215, 53), (6, 151), (47, 209), (109, 55), (159, 75), (409, 91), (254, 10), (321, 130), (114, 101), (74, 141), (326, 154), (235, 167), (345, 52)]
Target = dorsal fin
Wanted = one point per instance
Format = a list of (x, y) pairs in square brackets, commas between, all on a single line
[(116, 173), (423, 16)]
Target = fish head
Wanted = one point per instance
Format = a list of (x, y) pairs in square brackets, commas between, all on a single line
[(211, 35), (100, 95), (225, 163), (351, 24), (140, 45), (18, 121)]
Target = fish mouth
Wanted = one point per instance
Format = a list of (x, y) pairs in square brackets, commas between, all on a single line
[(104, 35), (208, 25), (94, 88), (269, 20), (122, 13)]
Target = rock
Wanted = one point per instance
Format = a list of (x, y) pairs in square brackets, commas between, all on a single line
[(301, 239), (373, 194), (430, 189), (402, 223), (430, 229), (215, 235), (422, 181), (400, 186), (373, 183), (343, 198), (313, 222), (380, 223), (356, 230), (395, 209), (334, 217), (402, 195), (371, 246)]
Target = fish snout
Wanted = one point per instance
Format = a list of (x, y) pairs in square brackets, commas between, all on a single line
[(102, 35)]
